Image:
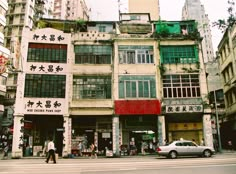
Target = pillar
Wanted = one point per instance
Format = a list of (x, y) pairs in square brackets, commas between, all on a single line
[(67, 136), (115, 135), (207, 130), (18, 136), (161, 129)]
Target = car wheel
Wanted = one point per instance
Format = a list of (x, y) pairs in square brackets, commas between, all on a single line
[(207, 153), (173, 154)]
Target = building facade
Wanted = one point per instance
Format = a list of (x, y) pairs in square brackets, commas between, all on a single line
[(114, 84), (184, 94), (227, 57), (41, 109), (4, 58)]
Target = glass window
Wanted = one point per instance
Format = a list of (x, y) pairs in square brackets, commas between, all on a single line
[(181, 86), (137, 87), (37, 85), (136, 54), (92, 87), (178, 54), (93, 54), (54, 53), (102, 28)]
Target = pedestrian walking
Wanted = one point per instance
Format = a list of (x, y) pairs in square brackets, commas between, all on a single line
[(93, 151), (143, 147), (230, 145), (80, 148), (51, 151), (5, 151)]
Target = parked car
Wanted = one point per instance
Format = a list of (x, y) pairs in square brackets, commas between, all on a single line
[(184, 148)]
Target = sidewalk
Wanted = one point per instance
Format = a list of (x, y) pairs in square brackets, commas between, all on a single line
[(224, 152)]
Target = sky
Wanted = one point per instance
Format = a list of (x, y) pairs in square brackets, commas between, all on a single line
[(107, 10)]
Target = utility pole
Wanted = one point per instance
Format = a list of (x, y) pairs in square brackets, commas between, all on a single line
[(217, 124)]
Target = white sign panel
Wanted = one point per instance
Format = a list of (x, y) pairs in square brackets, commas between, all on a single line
[(48, 106), (42, 68), (184, 108)]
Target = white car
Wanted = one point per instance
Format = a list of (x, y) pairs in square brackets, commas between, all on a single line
[(184, 148)]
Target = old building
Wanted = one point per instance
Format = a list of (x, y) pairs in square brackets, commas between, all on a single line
[(183, 80), (4, 58), (112, 84), (41, 109), (227, 57)]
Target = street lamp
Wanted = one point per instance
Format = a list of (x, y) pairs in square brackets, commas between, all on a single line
[(217, 124)]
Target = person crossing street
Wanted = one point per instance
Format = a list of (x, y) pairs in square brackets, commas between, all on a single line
[(51, 151)]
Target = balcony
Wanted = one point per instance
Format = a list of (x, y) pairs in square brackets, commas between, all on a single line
[(135, 28), (186, 29)]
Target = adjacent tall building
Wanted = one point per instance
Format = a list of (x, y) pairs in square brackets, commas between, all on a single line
[(70, 10), (193, 9), (145, 6)]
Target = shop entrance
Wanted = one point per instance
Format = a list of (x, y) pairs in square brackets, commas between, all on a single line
[(104, 141), (42, 128), (147, 137), (186, 135)]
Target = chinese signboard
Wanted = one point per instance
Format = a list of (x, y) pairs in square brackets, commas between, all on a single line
[(184, 126), (46, 68), (3, 62), (44, 106), (49, 37), (184, 108)]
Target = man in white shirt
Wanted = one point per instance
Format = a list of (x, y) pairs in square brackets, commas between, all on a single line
[(51, 151)]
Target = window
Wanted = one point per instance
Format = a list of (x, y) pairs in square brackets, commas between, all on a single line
[(178, 54), (137, 87), (42, 86), (136, 54), (3, 80), (90, 54), (92, 87), (135, 17), (102, 29), (181, 86), (54, 53)]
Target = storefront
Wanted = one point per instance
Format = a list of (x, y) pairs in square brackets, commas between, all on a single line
[(185, 122), (38, 129), (91, 130)]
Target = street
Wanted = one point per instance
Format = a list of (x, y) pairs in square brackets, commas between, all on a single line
[(219, 164)]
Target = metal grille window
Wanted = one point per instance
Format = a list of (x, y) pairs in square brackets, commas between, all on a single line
[(137, 87), (181, 86), (93, 54), (92, 87), (136, 54), (54, 53), (37, 85), (179, 54)]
